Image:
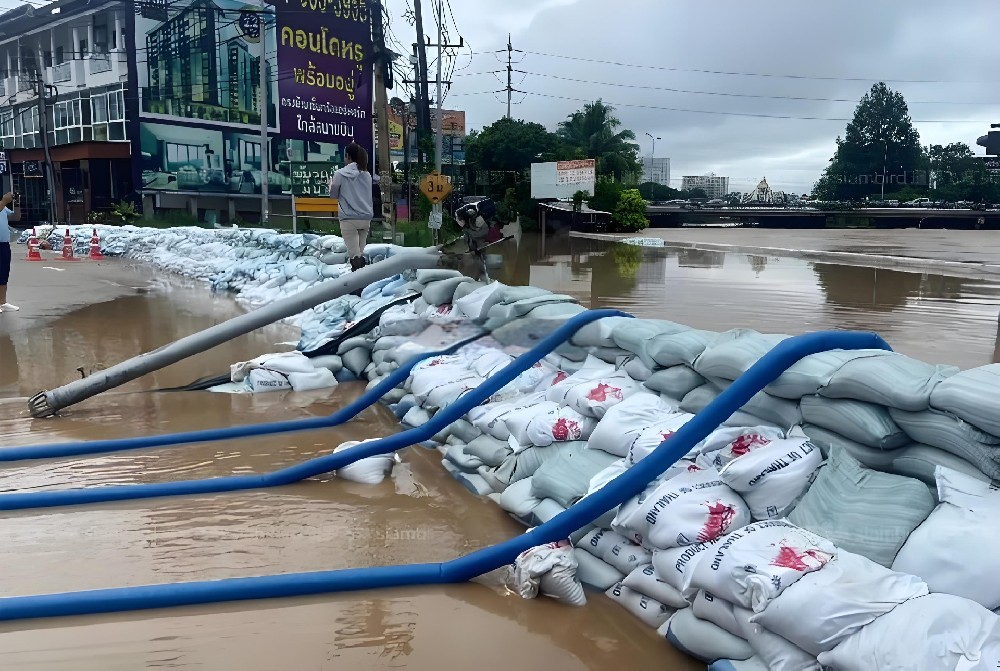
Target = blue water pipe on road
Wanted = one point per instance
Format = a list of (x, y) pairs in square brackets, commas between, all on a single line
[(342, 416), (326, 463), (584, 512)]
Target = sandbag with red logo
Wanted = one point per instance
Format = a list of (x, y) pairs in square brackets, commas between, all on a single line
[(625, 422), (594, 398), (558, 425), (771, 472), (551, 570), (756, 563), (693, 507)]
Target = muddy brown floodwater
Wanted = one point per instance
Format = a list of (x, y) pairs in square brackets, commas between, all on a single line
[(420, 515)]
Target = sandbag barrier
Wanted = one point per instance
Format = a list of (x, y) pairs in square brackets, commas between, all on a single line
[(306, 469), (616, 492)]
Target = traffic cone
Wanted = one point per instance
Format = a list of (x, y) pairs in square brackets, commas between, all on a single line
[(95, 247), (33, 253), (67, 250)]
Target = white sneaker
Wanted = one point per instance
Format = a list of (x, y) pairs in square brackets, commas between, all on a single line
[(9, 308)]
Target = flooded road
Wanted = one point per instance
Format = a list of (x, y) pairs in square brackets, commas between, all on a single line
[(420, 515)]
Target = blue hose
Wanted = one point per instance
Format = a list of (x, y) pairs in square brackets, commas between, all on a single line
[(342, 416), (318, 465), (616, 492)]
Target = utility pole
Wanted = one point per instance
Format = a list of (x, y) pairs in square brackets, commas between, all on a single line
[(423, 100), (265, 163), (510, 88), (437, 218), (43, 129), (382, 66)]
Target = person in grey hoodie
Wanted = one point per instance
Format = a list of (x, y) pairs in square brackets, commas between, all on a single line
[(352, 186)]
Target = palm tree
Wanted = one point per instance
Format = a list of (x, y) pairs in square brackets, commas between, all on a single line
[(593, 133)]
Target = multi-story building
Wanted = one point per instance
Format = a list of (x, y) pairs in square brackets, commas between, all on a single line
[(713, 185), (656, 170), (73, 54)]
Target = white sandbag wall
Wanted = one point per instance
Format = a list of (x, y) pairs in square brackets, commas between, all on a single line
[(844, 518)]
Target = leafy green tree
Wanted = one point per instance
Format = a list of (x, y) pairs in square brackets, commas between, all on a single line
[(654, 191), (511, 145), (606, 195), (630, 214), (593, 132), (879, 140)]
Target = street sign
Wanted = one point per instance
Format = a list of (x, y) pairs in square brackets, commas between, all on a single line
[(435, 186), (311, 179)]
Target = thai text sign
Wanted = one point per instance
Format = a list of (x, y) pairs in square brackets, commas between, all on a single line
[(563, 178), (325, 71), (311, 179)]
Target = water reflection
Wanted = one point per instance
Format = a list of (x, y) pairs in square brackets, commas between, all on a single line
[(916, 312)]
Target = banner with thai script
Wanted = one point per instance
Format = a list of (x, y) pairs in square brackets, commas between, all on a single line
[(325, 71)]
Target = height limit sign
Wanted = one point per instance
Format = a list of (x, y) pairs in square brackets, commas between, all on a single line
[(436, 187)]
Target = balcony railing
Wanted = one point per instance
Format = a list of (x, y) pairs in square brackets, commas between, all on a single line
[(62, 73), (25, 82), (100, 63)]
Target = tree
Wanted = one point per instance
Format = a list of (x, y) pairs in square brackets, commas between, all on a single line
[(630, 214), (879, 142), (606, 195), (511, 145), (655, 191), (593, 132)]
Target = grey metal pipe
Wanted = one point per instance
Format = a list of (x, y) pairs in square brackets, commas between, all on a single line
[(48, 403)]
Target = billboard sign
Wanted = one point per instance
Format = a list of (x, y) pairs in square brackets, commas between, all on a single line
[(991, 163), (311, 180), (563, 178)]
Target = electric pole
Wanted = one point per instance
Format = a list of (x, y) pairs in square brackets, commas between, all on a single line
[(43, 130), (423, 99), (383, 71), (265, 164), (510, 89)]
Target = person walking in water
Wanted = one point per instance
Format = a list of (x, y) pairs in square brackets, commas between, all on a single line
[(352, 186), (7, 214)]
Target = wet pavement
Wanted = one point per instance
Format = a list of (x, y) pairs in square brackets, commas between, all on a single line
[(420, 515)]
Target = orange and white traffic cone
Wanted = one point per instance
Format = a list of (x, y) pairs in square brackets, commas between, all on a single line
[(95, 247), (67, 250), (33, 253)]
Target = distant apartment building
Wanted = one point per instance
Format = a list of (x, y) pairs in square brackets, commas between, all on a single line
[(713, 185), (74, 51), (656, 170)]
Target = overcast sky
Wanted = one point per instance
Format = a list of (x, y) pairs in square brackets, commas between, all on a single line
[(948, 51)]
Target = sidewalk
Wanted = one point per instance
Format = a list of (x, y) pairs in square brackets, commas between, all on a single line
[(963, 253), (48, 289)]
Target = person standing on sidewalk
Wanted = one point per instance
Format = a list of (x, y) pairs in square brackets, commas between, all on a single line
[(352, 186), (6, 214)]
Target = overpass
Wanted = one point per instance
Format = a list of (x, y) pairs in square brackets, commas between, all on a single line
[(666, 216)]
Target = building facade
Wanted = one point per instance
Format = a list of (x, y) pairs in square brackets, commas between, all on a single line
[(656, 170), (713, 185), (161, 103)]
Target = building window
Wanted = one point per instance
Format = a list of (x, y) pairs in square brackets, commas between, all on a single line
[(116, 105), (60, 55), (99, 108), (179, 155), (67, 114), (7, 124), (250, 153)]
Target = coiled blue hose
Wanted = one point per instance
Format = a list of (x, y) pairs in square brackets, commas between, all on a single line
[(324, 464), (622, 488)]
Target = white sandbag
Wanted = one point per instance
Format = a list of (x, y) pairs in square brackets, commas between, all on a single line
[(490, 418), (673, 565), (865, 423), (443, 392), (598, 333), (698, 399), (921, 461), (425, 276), (595, 572), (357, 360), (546, 510), (476, 305), (861, 510), (591, 369), (756, 563), (262, 380), (566, 478), (368, 471), (488, 450), (809, 374), (550, 569), (676, 381), (778, 411), (972, 395), (948, 432), (770, 473), (416, 416), (955, 550), (635, 335), (489, 362), (825, 607), (708, 607), (890, 379), (284, 362), (702, 639), (937, 632), (331, 362), (872, 457), (755, 663), (625, 422), (465, 431), (441, 292), (466, 288), (616, 550), (524, 464), (643, 580), (654, 436), (456, 454), (679, 349), (319, 378), (693, 507), (517, 499), (558, 425), (595, 397), (650, 611), (734, 352), (776, 652), (636, 369)]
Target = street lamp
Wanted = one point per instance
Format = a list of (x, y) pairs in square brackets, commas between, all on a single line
[(652, 156)]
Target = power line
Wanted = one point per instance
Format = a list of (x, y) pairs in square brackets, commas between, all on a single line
[(741, 95), (753, 74)]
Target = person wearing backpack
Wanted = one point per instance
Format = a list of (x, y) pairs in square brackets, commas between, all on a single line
[(352, 187)]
